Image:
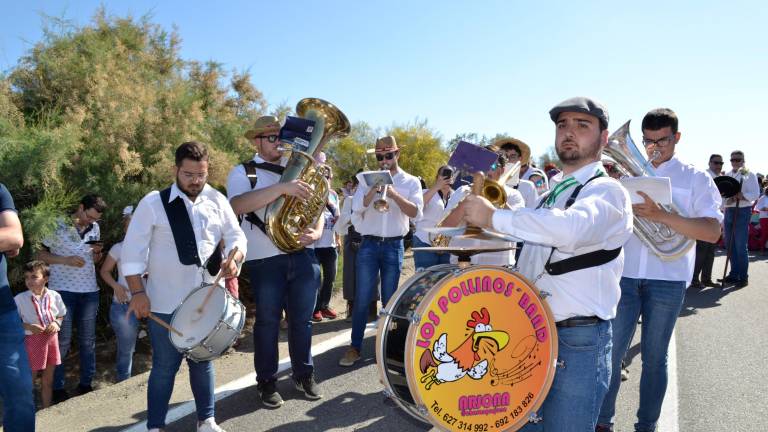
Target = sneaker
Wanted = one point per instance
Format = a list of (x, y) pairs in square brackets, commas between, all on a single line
[(59, 395), (624, 374), (350, 357), (317, 316), (83, 389), (328, 313), (269, 395), (308, 386), (209, 425), (742, 283)]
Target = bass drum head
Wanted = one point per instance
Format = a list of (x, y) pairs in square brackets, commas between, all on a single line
[(193, 325), (483, 354)]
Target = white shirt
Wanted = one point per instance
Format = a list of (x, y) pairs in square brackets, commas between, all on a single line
[(327, 238), (501, 258), (696, 194), (345, 217), (750, 188), (369, 221), (432, 214), (712, 173), (761, 203), (600, 218), (149, 245), (260, 246), (528, 190), (115, 252), (44, 310), (67, 242)]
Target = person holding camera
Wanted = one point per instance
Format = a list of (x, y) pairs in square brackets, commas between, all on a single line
[(435, 200)]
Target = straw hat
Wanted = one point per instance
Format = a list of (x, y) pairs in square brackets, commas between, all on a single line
[(525, 151), (386, 144), (263, 124)]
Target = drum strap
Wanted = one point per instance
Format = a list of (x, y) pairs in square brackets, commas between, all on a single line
[(250, 172), (181, 227), (587, 260)]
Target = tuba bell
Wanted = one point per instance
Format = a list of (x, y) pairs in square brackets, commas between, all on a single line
[(288, 216), (668, 245)]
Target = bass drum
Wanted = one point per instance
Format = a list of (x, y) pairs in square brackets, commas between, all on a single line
[(467, 349)]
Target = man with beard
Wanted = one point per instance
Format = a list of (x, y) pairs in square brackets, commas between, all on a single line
[(279, 280), (573, 254), (381, 251), (172, 233), (652, 287)]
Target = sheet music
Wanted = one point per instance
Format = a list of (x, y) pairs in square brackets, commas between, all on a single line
[(658, 188)]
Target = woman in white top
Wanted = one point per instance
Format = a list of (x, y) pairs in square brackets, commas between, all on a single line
[(125, 326), (435, 200)]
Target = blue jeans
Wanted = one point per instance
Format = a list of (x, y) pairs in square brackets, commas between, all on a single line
[(290, 281), (581, 380), (125, 330), (15, 376), (739, 254), (327, 257), (422, 260), (81, 310), (374, 257), (166, 360), (659, 302)]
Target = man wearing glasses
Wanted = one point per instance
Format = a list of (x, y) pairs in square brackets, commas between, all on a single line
[(650, 286), (278, 280), (381, 251), (705, 251), (72, 252), (738, 211)]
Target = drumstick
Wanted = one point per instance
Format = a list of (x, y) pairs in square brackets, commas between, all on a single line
[(162, 323), (216, 281)]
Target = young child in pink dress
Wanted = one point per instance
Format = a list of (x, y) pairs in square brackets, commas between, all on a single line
[(42, 310)]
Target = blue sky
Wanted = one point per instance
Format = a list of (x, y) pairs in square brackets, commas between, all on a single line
[(485, 66)]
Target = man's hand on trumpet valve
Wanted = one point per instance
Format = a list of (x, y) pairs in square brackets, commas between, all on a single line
[(478, 211), (649, 209)]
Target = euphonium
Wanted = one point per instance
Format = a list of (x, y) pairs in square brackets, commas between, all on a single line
[(668, 245), (492, 190), (288, 216)]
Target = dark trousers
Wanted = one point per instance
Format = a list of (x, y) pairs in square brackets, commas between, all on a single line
[(327, 258), (705, 257)]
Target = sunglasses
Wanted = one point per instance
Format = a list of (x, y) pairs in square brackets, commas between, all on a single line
[(270, 138), (737, 160), (388, 156), (716, 162)]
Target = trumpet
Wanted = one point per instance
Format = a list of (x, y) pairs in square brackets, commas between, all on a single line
[(381, 205)]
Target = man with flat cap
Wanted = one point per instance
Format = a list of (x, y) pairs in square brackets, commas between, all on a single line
[(577, 274), (654, 287), (381, 250)]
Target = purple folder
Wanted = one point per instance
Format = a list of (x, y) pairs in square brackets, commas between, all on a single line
[(469, 158)]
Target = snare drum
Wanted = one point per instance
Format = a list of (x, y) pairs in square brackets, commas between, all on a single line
[(210, 333), (467, 349)]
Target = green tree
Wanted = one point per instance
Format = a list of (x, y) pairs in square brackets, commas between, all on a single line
[(421, 151)]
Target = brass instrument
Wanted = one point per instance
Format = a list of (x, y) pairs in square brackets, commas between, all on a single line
[(287, 217), (668, 245), (381, 205), (492, 190)]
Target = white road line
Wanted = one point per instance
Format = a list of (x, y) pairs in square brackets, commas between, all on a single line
[(232, 387), (668, 421)]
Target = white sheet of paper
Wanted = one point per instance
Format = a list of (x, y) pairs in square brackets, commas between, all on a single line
[(371, 178), (658, 188)]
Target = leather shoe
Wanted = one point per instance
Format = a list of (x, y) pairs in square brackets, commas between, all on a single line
[(742, 283), (709, 283), (696, 284), (728, 279)]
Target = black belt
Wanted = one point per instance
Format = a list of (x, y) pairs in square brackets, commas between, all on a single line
[(381, 239), (579, 322)]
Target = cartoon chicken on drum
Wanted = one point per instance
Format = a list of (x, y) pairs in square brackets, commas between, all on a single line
[(440, 365)]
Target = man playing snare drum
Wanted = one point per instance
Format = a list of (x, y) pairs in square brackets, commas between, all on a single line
[(588, 215), (172, 233)]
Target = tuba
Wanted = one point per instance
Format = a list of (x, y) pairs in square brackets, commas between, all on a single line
[(288, 216), (668, 245)]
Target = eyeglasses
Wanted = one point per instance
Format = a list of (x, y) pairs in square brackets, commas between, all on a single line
[(388, 156), (716, 162), (737, 160), (189, 176), (659, 142), (513, 155), (270, 138)]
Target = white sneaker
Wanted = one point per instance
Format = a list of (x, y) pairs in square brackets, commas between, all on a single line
[(209, 425)]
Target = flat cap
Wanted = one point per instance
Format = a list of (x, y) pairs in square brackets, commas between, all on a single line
[(583, 105)]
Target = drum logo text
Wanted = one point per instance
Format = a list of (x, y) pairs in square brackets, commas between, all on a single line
[(484, 404)]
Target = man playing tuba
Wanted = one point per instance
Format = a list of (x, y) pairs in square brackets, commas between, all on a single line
[(278, 279), (653, 287)]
